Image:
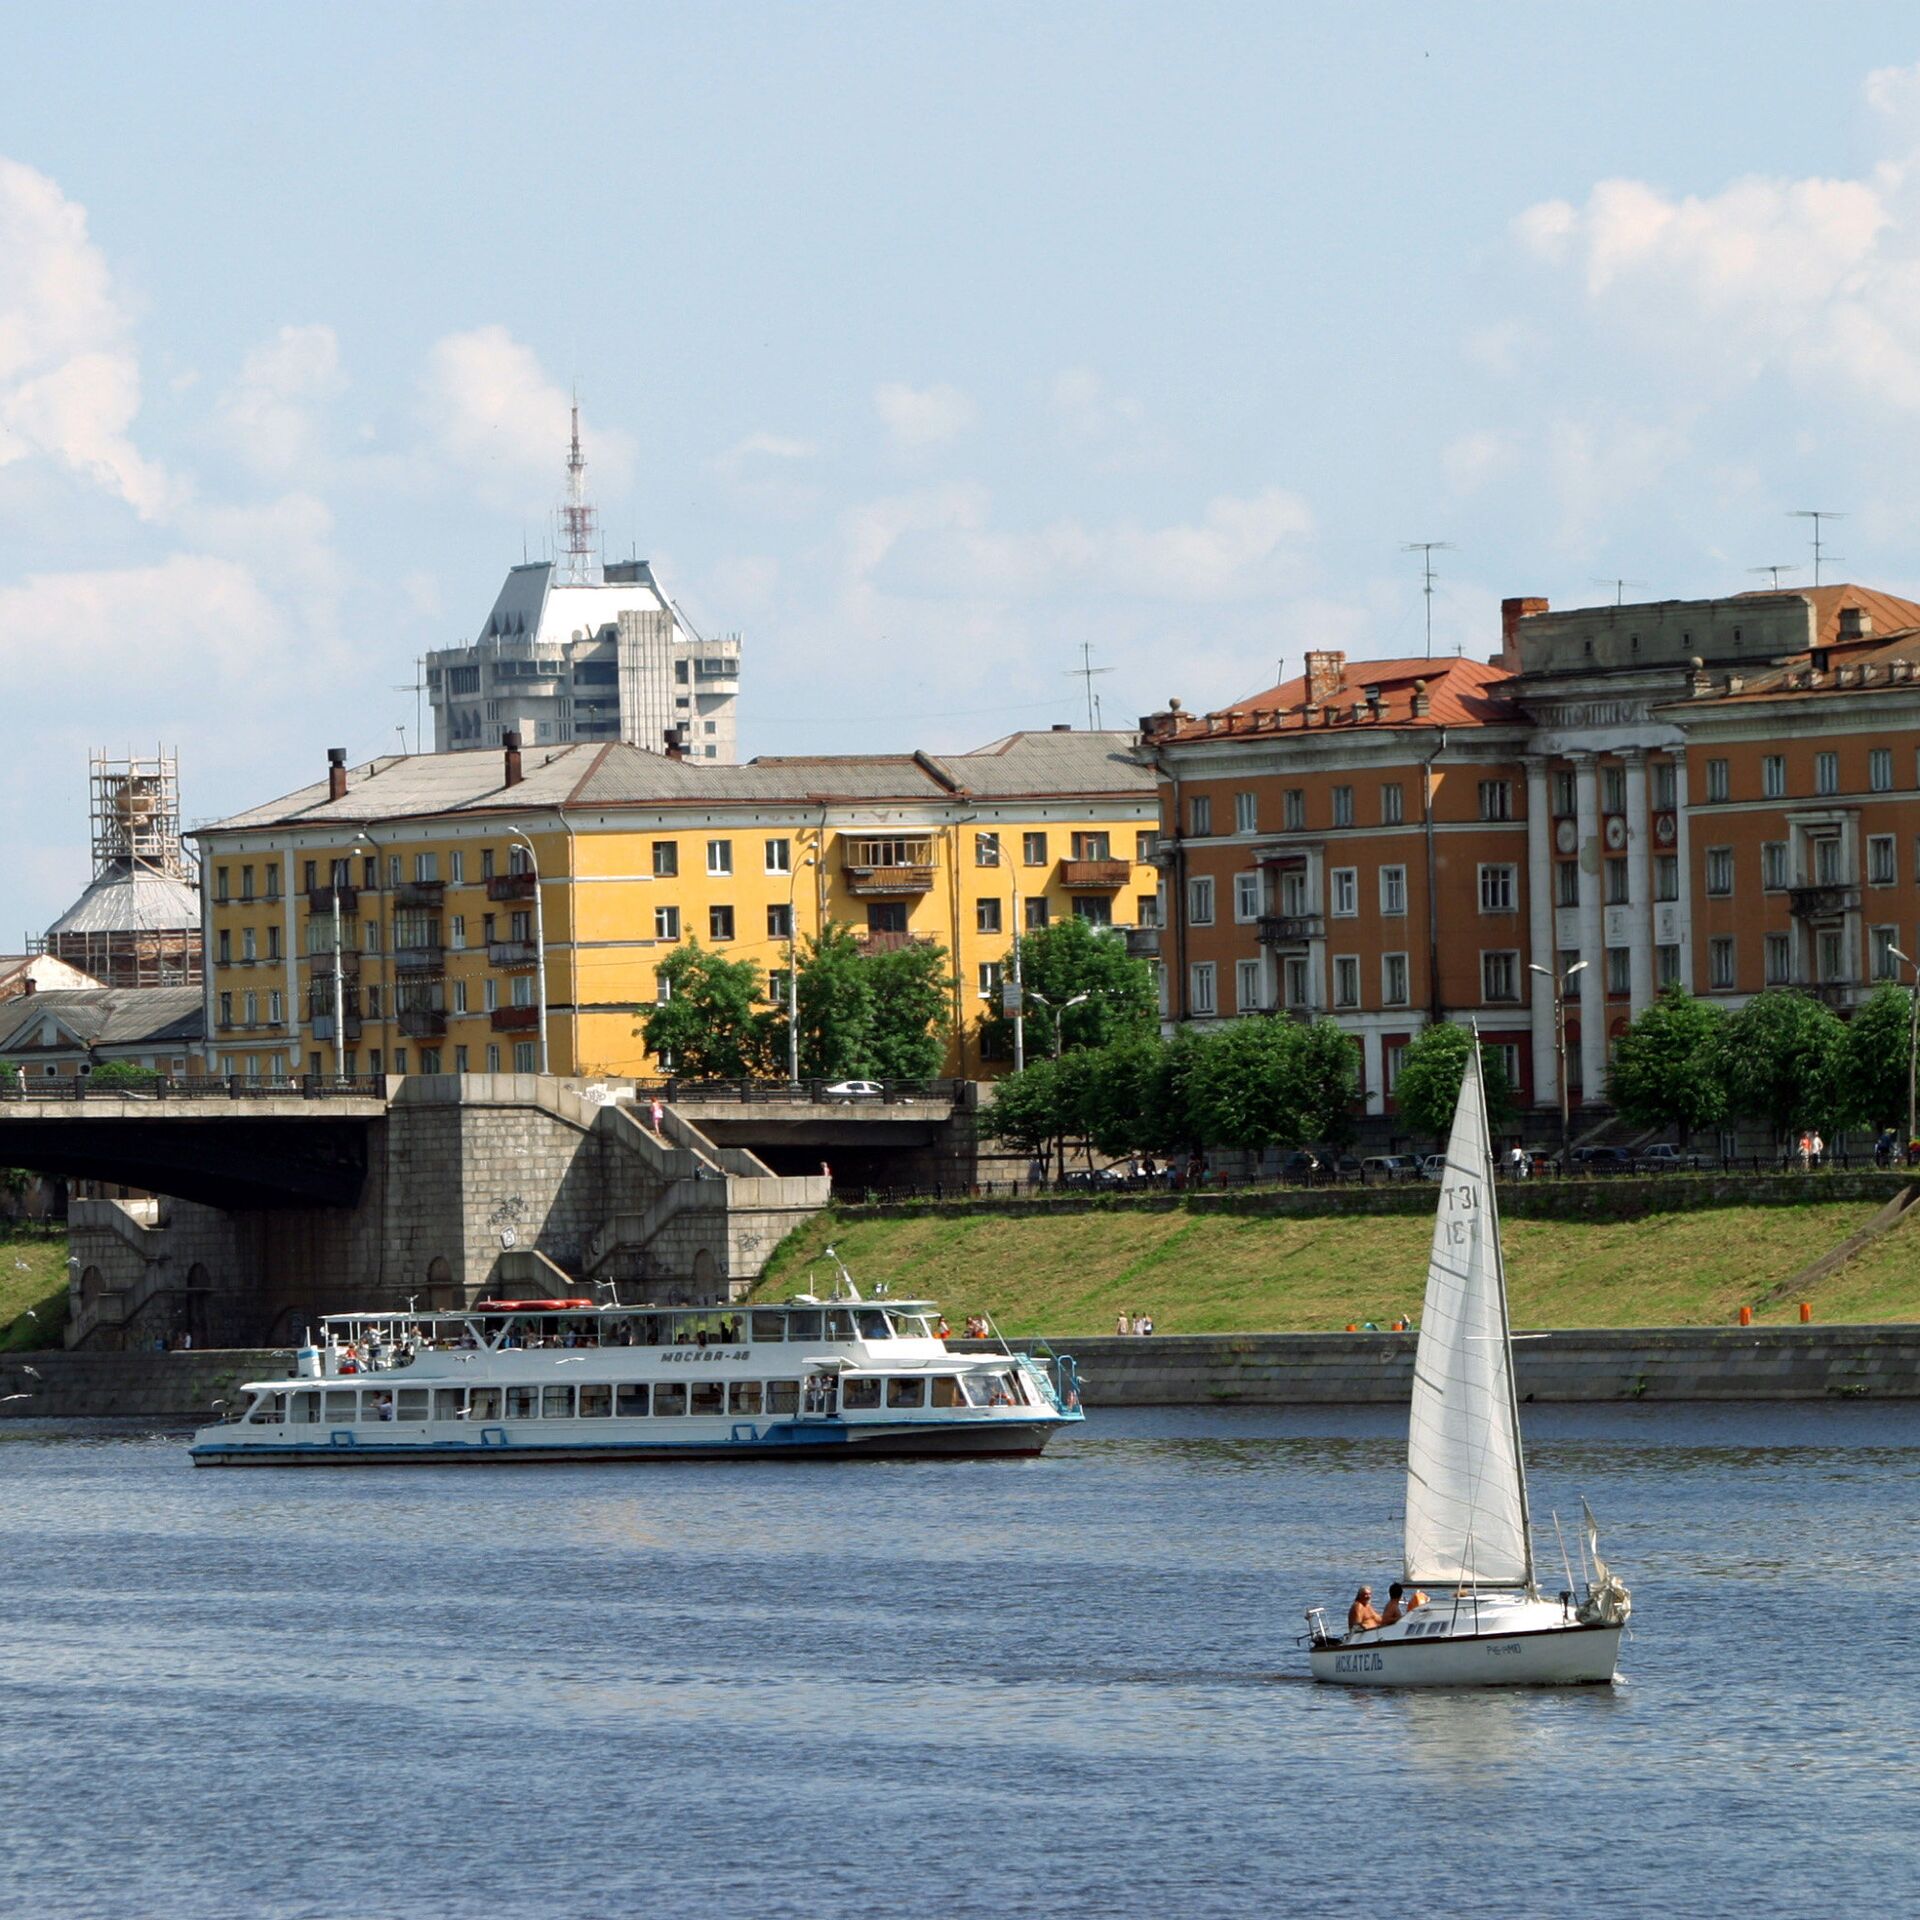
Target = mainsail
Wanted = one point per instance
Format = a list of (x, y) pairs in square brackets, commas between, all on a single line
[(1466, 1494)]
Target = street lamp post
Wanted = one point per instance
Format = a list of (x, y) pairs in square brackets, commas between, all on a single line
[(1913, 1048), (539, 938), (793, 978), (339, 982), (1059, 1014), (1559, 984)]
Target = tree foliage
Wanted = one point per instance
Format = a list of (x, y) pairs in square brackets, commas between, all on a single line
[(1875, 1059), (123, 1073), (709, 1026), (834, 995), (1273, 1083), (1669, 1068), (1428, 1088), (1785, 1056), (1059, 963), (912, 1012)]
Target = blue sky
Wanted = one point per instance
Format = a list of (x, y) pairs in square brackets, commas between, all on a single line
[(922, 344)]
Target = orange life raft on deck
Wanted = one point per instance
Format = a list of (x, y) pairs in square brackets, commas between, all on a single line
[(533, 1306)]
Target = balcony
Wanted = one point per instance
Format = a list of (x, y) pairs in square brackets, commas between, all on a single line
[(322, 1026), (420, 893), (511, 886), (515, 1019), (1143, 943), (324, 969), (1290, 929), (423, 1023), (512, 953), (1827, 901), (1086, 875), (420, 960), (888, 940), (324, 899), (867, 878)]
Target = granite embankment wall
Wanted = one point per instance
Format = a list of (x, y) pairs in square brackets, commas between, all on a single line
[(1226, 1369)]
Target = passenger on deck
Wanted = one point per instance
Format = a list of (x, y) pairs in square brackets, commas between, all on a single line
[(1396, 1606), (1361, 1616)]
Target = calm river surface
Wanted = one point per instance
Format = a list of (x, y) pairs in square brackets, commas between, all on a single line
[(1066, 1686)]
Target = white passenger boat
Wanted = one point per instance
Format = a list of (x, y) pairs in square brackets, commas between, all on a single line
[(1469, 1539), (533, 1380)]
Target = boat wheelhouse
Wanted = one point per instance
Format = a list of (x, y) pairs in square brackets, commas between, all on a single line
[(534, 1380)]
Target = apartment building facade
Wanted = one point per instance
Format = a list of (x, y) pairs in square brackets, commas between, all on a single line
[(385, 920), (1621, 798)]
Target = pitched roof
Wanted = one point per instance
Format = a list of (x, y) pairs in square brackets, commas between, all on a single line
[(106, 1017), (133, 902), (1460, 693)]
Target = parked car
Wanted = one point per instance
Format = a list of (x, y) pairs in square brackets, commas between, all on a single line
[(1390, 1166), (1341, 1166), (855, 1090), (1602, 1160), (1434, 1167), (1665, 1157), (1096, 1177)]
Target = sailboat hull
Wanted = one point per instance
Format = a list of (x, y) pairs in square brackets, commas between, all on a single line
[(1557, 1656)]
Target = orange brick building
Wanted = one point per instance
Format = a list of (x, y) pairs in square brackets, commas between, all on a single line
[(1725, 793)]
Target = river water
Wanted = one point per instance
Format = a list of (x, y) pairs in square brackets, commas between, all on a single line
[(943, 1688)]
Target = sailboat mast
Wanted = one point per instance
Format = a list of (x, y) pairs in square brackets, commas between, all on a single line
[(1506, 1323)]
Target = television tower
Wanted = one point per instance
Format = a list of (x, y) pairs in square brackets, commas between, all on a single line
[(579, 522)]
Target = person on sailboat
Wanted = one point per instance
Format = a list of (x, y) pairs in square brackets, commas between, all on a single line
[(1361, 1614), (1400, 1603)]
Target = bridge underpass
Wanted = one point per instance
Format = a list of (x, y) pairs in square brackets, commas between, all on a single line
[(920, 1143)]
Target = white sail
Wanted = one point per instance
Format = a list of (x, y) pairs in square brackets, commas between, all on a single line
[(1466, 1500)]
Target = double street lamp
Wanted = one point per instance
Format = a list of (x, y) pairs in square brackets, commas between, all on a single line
[(1059, 1013), (1913, 1048), (539, 935), (1559, 982)]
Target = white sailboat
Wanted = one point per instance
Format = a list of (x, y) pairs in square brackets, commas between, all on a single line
[(1483, 1620)]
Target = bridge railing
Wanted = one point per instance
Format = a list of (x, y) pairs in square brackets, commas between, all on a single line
[(239, 1086), (823, 1093)]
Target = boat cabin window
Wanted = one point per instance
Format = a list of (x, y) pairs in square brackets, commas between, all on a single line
[(991, 1387), (804, 1324), (911, 1326), (907, 1393), (306, 1408), (343, 1408), (268, 1410), (410, 1403), (874, 1324), (485, 1404), (596, 1403), (556, 1403), (449, 1403), (744, 1397), (839, 1324), (523, 1403), (631, 1400), (782, 1396), (709, 1396), (858, 1395), (670, 1397), (769, 1326), (946, 1391)]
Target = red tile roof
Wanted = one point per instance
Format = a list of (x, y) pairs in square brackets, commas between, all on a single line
[(1460, 693)]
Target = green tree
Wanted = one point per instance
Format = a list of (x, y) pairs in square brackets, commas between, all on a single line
[(122, 1073), (708, 1026), (1027, 1111), (1875, 1059), (1428, 1088), (1669, 1068), (1125, 1106), (1063, 961), (835, 998), (1272, 1083), (1327, 1070), (912, 1012), (1785, 1055)]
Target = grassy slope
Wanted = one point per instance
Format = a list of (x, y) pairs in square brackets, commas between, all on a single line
[(33, 1273), (1072, 1273)]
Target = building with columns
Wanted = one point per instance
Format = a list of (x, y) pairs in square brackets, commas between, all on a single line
[(1716, 792)]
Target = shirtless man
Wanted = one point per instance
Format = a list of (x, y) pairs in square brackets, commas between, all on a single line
[(1396, 1606), (1361, 1615)]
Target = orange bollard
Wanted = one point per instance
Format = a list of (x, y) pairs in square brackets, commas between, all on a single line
[(1746, 1316), (1353, 1326), (1806, 1312)]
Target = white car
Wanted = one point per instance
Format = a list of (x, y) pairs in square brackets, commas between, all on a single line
[(1434, 1167), (855, 1090)]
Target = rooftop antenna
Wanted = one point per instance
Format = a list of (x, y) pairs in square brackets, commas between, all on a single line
[(1785, 566), (1618, 585), (1426, 549), (416, 686), (1086, 671), (581, 567), (1816, 515)]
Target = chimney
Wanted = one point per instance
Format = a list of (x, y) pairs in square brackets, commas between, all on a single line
[(510, 740), (336, 773), (1323, 674), (1512, 612), (676, 741), (1856, 623), (1063, 726), (1422, 706)]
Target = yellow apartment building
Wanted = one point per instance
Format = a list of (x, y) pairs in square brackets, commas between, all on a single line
[(508, 910)]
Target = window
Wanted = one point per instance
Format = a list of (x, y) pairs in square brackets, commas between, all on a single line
[(1393, 890), (1773, 864), (1826, 773), (1247, 996), (1393, 980), (226, 1009), (250, 1009), (1497, 889), (986, 916), (1720, 961), (1344, 889), (393, 869), (719, 856), (666, 859), (370, 937), (1346, 980), (1246, 897), (720, 923), (273, 943), (1832, 957), (1496, 799), (1499, 976), (1880, 769), (1096, 909), (1343, 806), (1773, 776), (1613, 789), (780, 922), (220, 882), (1200, 987), (1779, 959), (1033, 849), (457, 932), (1393, 804), (273, 883), (1092, 846), (276, 1008), (1827, 871), (460, 1060), (1394, 1059), (1037, 912), (666, 923), (1880, 944), (1666, 786), (457, 867), (246, 883), (1719, 870), (460, 996), (1145, 846), (989, 980), (1619, 970), (1566, 883), (1200, 815), (526, 1057), (426, 866), (1293, 809), (226, 947), (1294, 983), (1880, 860), (493, 1058), (1246, 813), (1617, 888), (1148, 911), (986, 850), (779, 856), (1717, 784), (1563, 796), (1666, 966), (1200, 901)]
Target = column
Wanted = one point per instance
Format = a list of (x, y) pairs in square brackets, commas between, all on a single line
[(1374, 1069), (1592, 980), (1683, 851), (1639, 915), (1546, 1065)]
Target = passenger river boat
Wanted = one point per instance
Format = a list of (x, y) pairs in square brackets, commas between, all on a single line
[(537, 1380)]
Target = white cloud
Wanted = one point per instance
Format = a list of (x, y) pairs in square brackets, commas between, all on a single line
[(1109, 428), (923, 416), (770, 473), (271, 411), (1472, 460), (69, 380)]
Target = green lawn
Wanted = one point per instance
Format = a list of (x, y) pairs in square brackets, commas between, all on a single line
[(33, 1290), (1216, 1273)]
